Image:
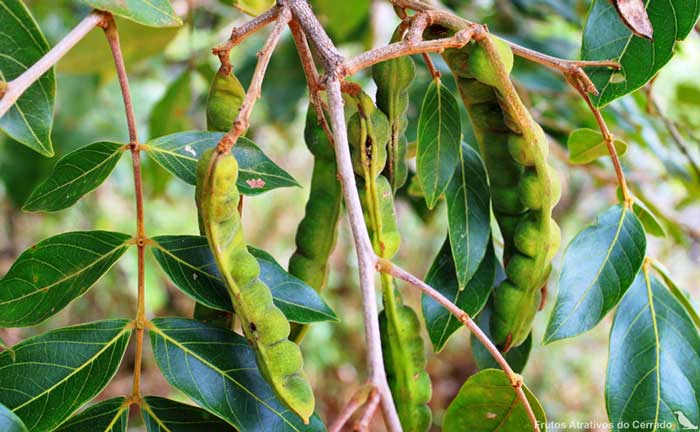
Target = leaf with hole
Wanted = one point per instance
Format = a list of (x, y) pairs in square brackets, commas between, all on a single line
[(468, 214), (165, 415), (605, 37), (22, 44), (439, 137), (216, 368), (599, 266), (190, 265), (74, 175), (111, 415), (57, 372), (488, 402), (441, 324), (152, 13), (653, 373), (179, 152), (54, 272), (587, 145)]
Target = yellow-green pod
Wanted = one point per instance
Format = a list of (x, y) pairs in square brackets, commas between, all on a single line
[(263, 324), (368, 134), (224, 101), (513, 314)]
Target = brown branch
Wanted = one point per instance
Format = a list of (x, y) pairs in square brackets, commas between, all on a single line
[(516, 380), (362, 424), (15, 88), (110, 29), (240, 125), (239, 34), (356, 402)]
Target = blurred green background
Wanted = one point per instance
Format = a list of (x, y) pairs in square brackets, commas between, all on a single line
[(169, 74)]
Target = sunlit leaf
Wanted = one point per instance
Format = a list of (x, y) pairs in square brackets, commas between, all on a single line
[(587, 145), (653, 373), (216, 368), (57, 372), (75, 174), (488, 402), (599, 266), (111, 415), (154, 13), (22, 44), (55, 271), (178, 153)]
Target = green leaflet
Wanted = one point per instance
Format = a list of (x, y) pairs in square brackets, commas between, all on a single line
[(488, 402), (215, 367), (54, 272), (653, 372), (263, 324), (69, 366), (74, 175), (439, 137), (599, 266), (152, 13), (165, 415), (587, 145), (111, 415), (30, 119)]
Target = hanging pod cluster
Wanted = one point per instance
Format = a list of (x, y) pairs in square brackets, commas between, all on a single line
[(316, 234), (369, 131), (524, 187), (264, 325)]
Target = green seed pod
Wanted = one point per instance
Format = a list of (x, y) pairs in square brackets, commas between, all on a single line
[(317, 231), (513, 313), (368, 134), (404, 359), (225, 97), (384, 229), (263, 324), (393, 79), (524, 188)]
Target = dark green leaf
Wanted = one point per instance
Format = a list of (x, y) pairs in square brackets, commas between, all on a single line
[(468, 214), (216, 368), (55, 373), (55, 271), (605, 37), (111, 415), (22, 44), (439, 136), (516, 357), (191, 266), (75, 174), (488, 402), (653, 372), (440, 322), (165, 415), (9, 422), (680, 295), (599, 266), (169, 115), (152, 13), (587, 145), (178, 153)]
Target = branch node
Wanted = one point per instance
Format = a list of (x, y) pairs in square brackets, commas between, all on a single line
[(516, 380)]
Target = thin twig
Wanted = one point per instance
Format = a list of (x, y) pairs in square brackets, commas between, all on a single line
[(356, 402), (333, 63), (240, 125), (516, 380), (19, 85), (239, 34), (362, 424), (112, 35)]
